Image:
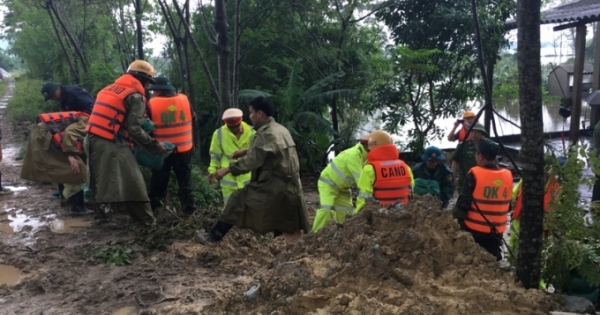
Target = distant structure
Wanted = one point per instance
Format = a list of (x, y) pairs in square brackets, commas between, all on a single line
[(561, 79), (4, 74)]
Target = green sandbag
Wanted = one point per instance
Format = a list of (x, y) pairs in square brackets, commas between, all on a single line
[(426, 186), (154, 162)]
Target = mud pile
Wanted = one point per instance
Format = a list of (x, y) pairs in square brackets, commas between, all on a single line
[(416, 261)]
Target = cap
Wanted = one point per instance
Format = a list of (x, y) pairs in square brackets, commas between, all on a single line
[(433, 154), (48, 90), (162, 83), (468, 114), (480, 127), (488, 148), (233, 113)]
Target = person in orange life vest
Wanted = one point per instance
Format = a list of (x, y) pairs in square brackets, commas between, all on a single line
[(552, 187), (384, 177), (67, 130), (468, 119), (484, 202), (173, 119), (115, 176)]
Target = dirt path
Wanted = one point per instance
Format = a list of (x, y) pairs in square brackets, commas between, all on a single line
[(52, 263)]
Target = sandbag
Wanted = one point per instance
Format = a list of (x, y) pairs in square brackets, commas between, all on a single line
[(154, 162)]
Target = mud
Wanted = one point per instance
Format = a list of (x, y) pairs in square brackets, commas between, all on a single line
[(9, 275), (416, 262)]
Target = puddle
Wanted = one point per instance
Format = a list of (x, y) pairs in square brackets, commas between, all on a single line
[(129, 310), (68, 225), (14, 223), (9, 274), (16, 188)]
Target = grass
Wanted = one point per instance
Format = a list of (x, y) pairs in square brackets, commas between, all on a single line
[(27, 102), (114, 253)]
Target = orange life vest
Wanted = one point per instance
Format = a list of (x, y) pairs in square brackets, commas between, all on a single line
[(552, 190), (57, 122), (462, 134), (109, 110), (392, 179), (172, 117), (493, 194)]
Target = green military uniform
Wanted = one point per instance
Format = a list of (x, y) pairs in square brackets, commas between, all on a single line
[(465, 157), (273, 200), (113, 169), (441, 175)]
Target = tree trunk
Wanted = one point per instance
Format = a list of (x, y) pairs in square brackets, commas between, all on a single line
[(532, 149), (74, 72), (223, 54), (69, 36), (138, 29), (236, 56)]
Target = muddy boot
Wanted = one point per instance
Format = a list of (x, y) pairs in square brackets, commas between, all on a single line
[(78, 205), (215, 235)]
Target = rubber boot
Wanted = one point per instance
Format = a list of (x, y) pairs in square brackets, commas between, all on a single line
[(78, 204)]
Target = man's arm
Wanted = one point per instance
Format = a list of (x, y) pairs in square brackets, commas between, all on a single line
[(135, 106), (254, 158), (463, 204), (365, 186), (215, 153)]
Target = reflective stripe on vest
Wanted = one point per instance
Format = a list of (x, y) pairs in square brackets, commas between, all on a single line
[(493, 194), (392, 182), (172, 117), (109, 110), (552, 191)]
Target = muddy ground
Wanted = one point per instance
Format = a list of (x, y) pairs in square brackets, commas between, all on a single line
[(379, 263)]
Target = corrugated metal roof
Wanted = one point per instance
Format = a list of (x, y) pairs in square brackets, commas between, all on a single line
[(570, 12), (570, 67)]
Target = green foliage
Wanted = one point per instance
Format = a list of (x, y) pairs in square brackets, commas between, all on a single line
[(205, 194), (27, 102), (116, 253), (301, 111), (572, 248), (419, 89), (3, 84), (434, 64)]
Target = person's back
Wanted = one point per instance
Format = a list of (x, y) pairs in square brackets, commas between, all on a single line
[(283, 159)]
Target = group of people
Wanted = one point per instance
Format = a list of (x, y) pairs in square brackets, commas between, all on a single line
[(91, 139)]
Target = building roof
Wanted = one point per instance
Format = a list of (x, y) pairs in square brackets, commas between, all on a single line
[(581, 10), (570, 67)]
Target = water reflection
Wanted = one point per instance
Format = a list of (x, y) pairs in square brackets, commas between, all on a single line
[(553, 122)]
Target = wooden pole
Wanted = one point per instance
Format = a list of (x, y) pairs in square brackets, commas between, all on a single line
[(595, 113), (577, 83)]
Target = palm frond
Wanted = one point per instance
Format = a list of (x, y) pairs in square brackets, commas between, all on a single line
[(246, 95), (322, 84), (295, 87), (314, 121), (325, 97)]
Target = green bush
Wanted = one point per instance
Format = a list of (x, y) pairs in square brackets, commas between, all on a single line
[(3, 85), (27, 102)]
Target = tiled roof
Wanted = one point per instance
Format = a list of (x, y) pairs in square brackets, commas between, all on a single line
[(587, 67), (570, 12)]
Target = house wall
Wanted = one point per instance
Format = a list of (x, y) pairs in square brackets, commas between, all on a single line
[(557, 79)]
